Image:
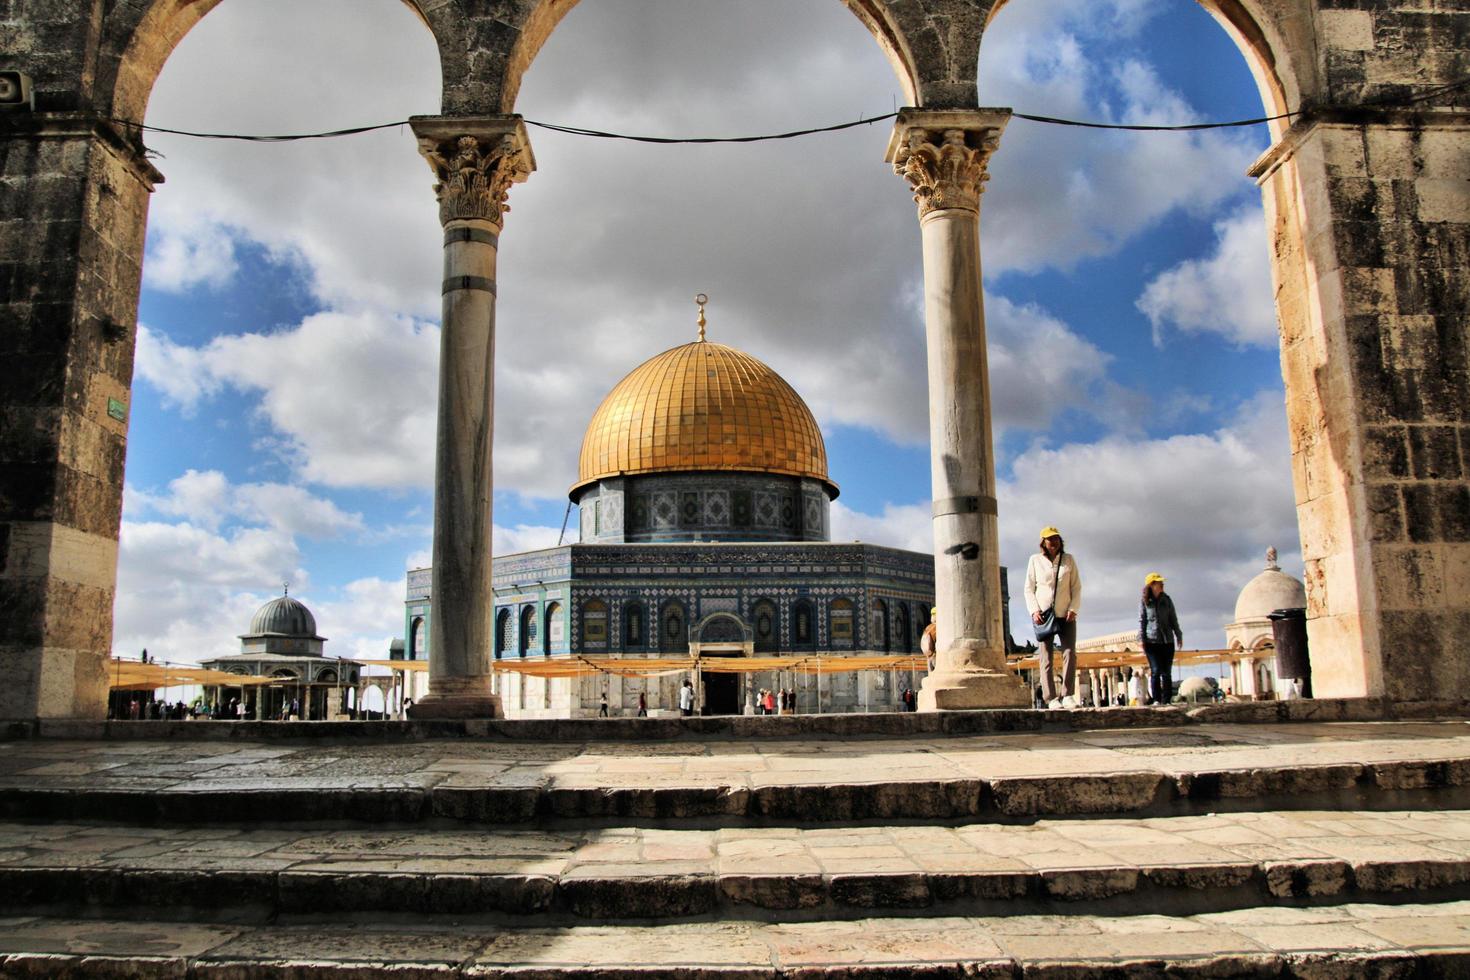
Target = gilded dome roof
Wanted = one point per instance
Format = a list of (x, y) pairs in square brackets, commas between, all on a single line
[(702, 406), (283, 616)]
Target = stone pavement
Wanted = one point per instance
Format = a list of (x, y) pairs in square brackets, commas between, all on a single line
[(1193, 848)]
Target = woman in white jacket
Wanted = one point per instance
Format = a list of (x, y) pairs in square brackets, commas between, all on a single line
[(1053, 585)]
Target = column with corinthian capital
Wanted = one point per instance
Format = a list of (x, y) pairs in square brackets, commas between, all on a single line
[(475, 159), (943, 155)]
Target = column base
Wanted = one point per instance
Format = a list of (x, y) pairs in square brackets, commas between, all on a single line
[(457, 698), (960, 690)]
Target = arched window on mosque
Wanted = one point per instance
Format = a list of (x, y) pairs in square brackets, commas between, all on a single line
[(528, 630), (839, 615), (594, 624), (673, 631), (635, 631), (765, 626), (503, 630), (878, 630), (902, 635), (803, 628), (417, 636), (555, 627)]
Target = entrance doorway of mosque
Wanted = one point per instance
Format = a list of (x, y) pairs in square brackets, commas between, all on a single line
[(721, 691)]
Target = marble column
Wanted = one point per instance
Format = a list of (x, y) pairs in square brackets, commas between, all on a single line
[(475, 160), (943, 155)]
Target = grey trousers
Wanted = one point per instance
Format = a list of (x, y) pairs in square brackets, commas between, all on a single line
[(1066, 640)]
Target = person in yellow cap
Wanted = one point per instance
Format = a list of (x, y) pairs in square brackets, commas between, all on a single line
[(1053, 597), (1159, 632)]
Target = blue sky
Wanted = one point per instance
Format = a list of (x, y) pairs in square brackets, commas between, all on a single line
[(282, 414)]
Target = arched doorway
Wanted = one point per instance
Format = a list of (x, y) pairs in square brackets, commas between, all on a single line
[(719, 635)]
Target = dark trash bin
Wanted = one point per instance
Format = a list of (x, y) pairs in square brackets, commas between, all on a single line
[(1289, 632)]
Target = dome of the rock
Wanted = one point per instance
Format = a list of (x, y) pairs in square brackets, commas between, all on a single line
[(702, 407)]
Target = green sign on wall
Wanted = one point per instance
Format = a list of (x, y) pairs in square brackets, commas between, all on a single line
[(117, 410)]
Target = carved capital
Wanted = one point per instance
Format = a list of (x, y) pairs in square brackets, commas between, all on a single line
[(475, 160), (944, 155)]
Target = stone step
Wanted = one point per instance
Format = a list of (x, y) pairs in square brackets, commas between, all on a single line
[(1159, 771), (847, 726), (1151, 865), (1345, 941)]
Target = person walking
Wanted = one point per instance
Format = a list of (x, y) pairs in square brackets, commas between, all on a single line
[(1158, 631), (686, 698), (642, 705), (602, 707), (1053, 597)]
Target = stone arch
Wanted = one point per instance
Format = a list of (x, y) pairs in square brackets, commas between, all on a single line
[(931, 45), (722, 627), (137, 39)]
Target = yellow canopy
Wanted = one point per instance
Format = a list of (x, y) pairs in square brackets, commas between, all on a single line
[(133, 675), (1101, 659)]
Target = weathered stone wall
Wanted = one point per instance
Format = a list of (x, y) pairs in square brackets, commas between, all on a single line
[(1369, 210), (1370, 213)]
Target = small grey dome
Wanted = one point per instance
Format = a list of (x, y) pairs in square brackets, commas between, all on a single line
[(283, 616)]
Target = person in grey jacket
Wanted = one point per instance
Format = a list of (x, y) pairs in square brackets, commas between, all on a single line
[(1158, 631)]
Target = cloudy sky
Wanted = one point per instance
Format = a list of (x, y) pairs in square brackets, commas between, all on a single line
[(283, 413)]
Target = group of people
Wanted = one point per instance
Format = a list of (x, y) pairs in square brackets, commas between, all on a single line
[(775, 702), (152, 710), (1054, 597)]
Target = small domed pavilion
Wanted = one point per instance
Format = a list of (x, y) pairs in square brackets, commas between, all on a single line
[(1250, 636), (283, 645)]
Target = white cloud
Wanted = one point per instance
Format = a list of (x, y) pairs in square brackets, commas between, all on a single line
[(528, 537), (1228, 292), (207, 499), (182, 256), (907, 526), (352, 395), (357, 213), (364, 616), (1061, 195)]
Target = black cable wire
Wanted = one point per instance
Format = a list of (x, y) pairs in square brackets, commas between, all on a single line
[(1386, 102)]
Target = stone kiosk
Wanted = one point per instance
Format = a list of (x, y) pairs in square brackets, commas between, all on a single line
[(1366, 196)]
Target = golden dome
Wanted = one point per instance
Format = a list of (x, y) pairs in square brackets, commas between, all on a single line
[(702, 406)]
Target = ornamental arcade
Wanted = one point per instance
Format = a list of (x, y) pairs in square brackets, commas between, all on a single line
[(1366, 198)]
